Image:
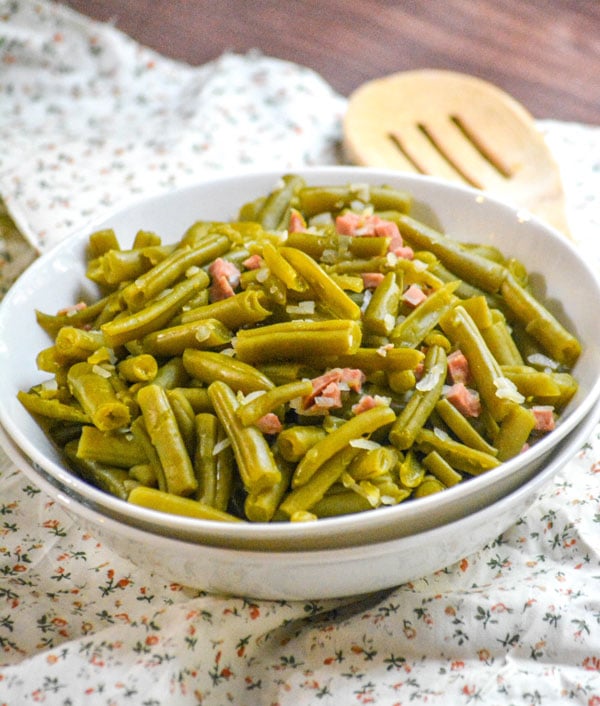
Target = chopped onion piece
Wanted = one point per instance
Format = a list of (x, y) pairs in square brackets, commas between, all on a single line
[(542, 360), (221, 446), (430, 379), (507, 390), (365, 444)]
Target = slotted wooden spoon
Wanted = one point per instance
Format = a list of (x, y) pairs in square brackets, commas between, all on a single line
[(458, 127)]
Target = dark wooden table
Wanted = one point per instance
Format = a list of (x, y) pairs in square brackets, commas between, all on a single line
[(545, 52)]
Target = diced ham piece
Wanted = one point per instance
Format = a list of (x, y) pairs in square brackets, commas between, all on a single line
[(544, 417), (269, 424), (225, 278), (458, 367), (419, 370), (348, 223), (327, 393), (464, 399), (386, 229), (297, 223), (354, 224), (404, 252), (353, 377), (365, 403), (371, 280), (254, 262), (331, 396), (414, 295), (72, 309)]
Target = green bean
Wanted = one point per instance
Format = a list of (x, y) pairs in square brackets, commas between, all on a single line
[(197, 397), (280, 373), (531, 382), (116, 266), (274, 213), (297, 340), (329, 294), (461, 427), (461, 330), (185, 417), (467, 265), (413, 417), (78, 316), (441, 469), (207, 366), (374, 463), (501, 343), (459, 456), (319, 199), (138, 368), (250, 411), (144, 474), (344, 503), (256, 464), (52, 408), (514, 432), (113, 480), (303, 497), (109, 448), (261, 506), (164, 433), (479, 310), (201, 334), (205, 460), (102, 241), (360, 426), (429, 486), (424, 318), (371, 360), (567, 387), (145, 239), (93, 389), (380, 315), (171, 269), (141, 436), (167, 502), (411, 471), (172, 374), (540, 323), (293, 442), (77, 344), (401, 381), (155, 315), (282, 269)]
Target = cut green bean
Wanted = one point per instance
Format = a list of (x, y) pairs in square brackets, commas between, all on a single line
[(294, 340), (416, 413), (256, 464), (166, 438), (155, 315), (92, 388), (160, 501), (207, 366), (359, 427)]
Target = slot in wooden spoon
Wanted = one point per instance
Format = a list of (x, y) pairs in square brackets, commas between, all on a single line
[(458, 127)]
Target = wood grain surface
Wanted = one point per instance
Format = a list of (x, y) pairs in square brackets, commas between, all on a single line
[(546, 53)]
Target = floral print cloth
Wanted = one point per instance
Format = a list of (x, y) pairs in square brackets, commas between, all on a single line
[(90, 119)]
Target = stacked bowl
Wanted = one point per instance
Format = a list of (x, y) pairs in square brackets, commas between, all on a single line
[(331, 557)]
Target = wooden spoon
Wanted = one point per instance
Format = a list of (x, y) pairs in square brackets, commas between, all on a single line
[(458, 127)]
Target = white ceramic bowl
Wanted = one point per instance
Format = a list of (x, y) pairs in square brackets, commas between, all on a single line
[(560, 276), (308, 575)]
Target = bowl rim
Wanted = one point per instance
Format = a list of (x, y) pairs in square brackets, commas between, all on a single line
[(369, 521)]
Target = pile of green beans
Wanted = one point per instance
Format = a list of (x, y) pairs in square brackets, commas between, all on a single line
[(313, 387)]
